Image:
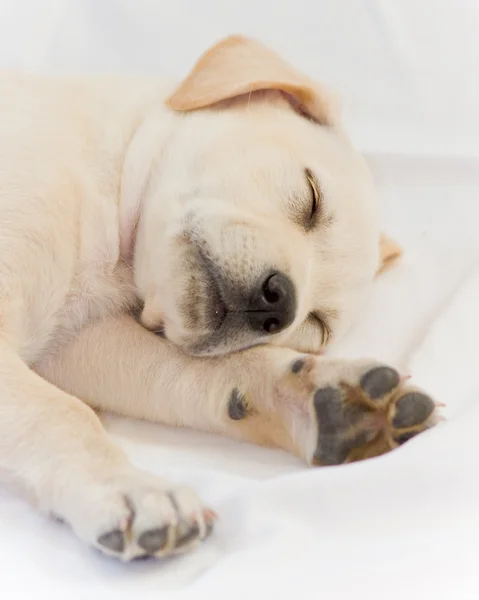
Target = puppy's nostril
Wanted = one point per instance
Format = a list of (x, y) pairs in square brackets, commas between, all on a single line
[(271, 325), (270, 290)]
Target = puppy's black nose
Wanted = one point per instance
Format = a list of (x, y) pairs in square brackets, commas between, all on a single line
[(273, 305)]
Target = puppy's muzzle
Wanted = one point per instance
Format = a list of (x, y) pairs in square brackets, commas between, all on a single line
[(273, 305)]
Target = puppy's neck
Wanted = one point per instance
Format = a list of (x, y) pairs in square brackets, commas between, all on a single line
[(145, 148)]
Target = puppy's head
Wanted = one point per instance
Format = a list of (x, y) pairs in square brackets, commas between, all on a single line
[(259, 223)]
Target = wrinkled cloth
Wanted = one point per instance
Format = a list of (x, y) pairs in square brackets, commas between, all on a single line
[(404, 525)]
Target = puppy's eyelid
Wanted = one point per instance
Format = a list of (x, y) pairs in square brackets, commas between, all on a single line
[(320, 320), (316, 197)]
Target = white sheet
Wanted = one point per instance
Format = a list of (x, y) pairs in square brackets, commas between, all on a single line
[(403, 525), (406, 70)]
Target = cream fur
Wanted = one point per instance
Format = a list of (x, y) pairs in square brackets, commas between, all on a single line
[(103, 190)]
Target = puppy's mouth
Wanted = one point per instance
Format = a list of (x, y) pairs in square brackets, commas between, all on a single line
[(216, 306), (216, 309), (208, 312), (201, 306)]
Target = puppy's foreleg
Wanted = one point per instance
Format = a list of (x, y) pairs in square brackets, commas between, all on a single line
[(325, 411), (55, 448)]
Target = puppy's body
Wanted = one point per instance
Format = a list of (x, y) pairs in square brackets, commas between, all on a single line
[(248, 222), (63, 149)]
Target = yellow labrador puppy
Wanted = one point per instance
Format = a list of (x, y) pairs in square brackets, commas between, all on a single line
[(181, 254)]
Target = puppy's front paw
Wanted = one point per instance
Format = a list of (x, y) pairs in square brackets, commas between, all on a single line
[(139, 515), (360, 411)]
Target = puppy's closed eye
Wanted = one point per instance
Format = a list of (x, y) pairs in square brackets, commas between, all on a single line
[(316, 200), (305, 205), (320, 321)]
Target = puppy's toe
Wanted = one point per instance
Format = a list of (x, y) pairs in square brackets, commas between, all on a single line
[(138, 516), (411, 410), (370, 418), (341, 426), (379, 382)]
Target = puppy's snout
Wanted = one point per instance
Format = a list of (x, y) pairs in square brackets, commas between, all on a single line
[(273, 304)]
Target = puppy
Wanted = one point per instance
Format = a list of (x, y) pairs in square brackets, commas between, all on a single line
[(182, 253)]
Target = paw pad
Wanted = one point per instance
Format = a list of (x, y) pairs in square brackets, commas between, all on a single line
[(412, 409), (153, 540), (113, 541), (379, 381), (369, 419), (160, 523)]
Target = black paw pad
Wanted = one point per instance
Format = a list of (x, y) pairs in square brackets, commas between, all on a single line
[(297, 366), (328, 404), (186, 533), (113, 540), (330, 452), (237, 406), (379, 381), (334, 424), (153, 540), (405, 437), (412, 409)]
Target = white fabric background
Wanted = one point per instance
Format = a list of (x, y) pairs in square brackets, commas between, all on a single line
[(406, 69), (403, 525)]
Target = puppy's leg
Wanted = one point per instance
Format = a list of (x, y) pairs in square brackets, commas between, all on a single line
[(324, 411), (54, 447)]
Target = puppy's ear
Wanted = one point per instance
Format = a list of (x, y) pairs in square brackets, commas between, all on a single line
[(390, 253), (236, 66)]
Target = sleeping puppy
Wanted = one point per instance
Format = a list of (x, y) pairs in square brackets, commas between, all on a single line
[(182, 253)]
